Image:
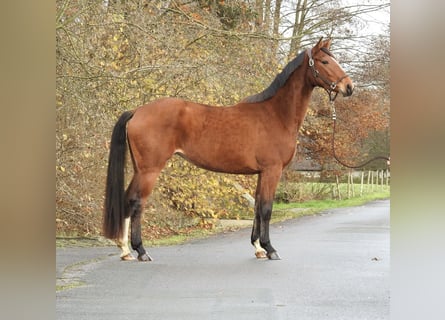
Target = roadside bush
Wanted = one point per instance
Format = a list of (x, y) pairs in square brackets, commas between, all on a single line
[(303, 191)]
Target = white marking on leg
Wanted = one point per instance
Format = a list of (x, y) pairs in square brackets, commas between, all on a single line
[(260, 252), (123, 242)]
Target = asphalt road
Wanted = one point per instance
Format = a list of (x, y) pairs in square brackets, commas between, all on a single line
[(334, 266)]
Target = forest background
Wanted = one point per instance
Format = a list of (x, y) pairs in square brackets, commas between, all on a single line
[(114, 55)]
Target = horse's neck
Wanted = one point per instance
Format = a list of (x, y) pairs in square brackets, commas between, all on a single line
[(292, 100)]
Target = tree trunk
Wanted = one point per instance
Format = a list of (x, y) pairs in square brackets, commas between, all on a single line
[(276, 25), (260, 13), (297, 32), (267, 11)]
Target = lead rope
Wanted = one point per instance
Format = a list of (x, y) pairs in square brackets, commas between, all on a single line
[(334, 119)]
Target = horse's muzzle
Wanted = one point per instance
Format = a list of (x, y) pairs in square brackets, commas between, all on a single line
[(349, 89)]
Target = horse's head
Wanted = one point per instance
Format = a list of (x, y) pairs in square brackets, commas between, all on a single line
[(326, 71)]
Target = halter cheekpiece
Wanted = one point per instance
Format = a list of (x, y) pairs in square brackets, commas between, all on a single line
[(316, 74)]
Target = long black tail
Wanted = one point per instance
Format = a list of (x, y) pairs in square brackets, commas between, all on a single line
[(114, 207)]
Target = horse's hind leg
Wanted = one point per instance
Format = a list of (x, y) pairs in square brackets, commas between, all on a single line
[(141, 187), (122, 243), (260, 252)]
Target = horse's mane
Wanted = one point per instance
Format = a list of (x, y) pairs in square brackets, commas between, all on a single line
[(278, 82)]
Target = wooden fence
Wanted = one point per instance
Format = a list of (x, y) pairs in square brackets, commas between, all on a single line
[(366, 181)]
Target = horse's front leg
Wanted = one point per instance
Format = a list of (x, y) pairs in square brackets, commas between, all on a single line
[(265, 215), (267, 184)]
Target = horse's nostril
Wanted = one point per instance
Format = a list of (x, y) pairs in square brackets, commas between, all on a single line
[(349, 89)]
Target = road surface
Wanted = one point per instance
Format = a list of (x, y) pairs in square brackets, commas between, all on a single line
[(334, 266)]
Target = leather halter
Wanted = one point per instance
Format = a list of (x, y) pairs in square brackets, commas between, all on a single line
[(332, 86), (316, 74)]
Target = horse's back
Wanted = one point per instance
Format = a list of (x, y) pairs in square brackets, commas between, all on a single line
[(234, 139)]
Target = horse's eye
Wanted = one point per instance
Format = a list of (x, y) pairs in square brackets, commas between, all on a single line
[(324, 62)]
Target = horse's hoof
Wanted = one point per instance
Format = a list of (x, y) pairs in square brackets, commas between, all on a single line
[(145, 257), (128, 257), (261, 255), (274, 256)]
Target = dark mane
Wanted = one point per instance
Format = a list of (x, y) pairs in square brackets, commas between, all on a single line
[(278, 82)]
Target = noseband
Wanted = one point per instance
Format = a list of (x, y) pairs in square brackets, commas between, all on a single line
[(316, 74)]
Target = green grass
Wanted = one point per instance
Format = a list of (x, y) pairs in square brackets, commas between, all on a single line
[(321, 205)]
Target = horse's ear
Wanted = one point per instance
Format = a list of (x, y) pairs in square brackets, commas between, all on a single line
[(319, 44), (327, 43)]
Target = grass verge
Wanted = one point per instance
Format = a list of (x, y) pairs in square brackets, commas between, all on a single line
[(321, 205)]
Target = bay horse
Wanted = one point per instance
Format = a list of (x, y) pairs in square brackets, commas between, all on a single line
[(255, 136)]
